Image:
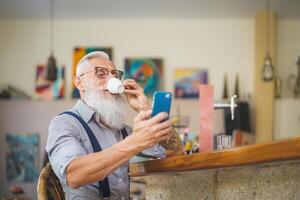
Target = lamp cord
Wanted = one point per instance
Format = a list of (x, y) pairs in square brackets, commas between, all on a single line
[(51, 26), (268, 26)]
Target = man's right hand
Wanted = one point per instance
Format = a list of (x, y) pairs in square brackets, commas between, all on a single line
[(149, 131)]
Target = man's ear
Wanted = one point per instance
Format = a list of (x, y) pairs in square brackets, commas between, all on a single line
[(78, 83)]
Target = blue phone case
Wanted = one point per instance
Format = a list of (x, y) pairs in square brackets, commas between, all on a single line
[(161, 102)]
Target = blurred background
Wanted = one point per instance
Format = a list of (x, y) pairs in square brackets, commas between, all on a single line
[(176, 45)]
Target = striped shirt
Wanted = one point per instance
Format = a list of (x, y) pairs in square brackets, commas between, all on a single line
[(68, 140)]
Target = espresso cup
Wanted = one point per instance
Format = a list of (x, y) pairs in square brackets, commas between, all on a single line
[(115, 86)]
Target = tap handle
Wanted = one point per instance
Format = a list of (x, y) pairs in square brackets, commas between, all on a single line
[(232, 106)]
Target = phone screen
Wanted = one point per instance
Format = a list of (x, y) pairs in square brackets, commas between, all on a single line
[(161, 102)]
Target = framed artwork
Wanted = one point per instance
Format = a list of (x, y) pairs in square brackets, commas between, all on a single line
[(148, 72), (78, 53), (22, 157), (49, 90), (187, 82)]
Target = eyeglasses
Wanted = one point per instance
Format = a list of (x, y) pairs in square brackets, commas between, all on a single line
[(102, 73)]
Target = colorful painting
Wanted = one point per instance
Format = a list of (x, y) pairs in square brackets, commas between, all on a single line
[(79, 52), (22, 157), (148, 72), (187, 82), (49, 90)]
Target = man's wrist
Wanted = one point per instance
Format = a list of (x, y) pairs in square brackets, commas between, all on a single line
[(132, 145)]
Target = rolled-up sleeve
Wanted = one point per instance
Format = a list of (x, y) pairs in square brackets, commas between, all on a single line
[(156, 151), (63, 144)]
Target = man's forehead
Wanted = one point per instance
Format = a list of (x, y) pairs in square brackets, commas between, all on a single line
[(101, 62)]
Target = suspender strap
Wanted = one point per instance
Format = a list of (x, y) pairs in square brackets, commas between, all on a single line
[(124, 135), (104, 184)]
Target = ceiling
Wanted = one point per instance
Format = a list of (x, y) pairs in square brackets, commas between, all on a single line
[(40, 9)]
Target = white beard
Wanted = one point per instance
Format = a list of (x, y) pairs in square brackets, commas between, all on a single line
[(110, 110)]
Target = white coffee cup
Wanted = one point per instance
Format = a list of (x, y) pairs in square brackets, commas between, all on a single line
[(115, 86)]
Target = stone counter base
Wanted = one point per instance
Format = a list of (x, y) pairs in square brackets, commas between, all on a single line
[(258, 182)]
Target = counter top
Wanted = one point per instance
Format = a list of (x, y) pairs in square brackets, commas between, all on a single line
[(288, 149)]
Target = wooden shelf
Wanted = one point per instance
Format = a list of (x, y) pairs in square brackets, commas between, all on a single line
[(282, 150)]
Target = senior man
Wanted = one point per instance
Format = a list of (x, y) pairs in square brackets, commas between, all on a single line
[(89, 146)]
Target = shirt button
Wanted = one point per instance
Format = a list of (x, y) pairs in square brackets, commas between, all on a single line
[(120, 180), (123, 198)]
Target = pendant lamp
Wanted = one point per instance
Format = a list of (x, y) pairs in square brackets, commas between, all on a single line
[(268, 68)]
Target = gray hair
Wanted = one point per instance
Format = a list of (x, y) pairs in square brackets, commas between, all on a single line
[(83, 63)]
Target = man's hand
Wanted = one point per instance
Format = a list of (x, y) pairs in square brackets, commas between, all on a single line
[(135, 95), (149, 131)]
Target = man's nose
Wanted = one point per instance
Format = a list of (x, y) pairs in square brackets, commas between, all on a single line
[(109, 76)]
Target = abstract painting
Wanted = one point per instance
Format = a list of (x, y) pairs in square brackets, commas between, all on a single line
[(22, 157), (187, 82), (78, 53), (148, 72), (49, 90)]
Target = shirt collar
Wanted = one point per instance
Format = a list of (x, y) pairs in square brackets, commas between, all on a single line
[(84, 110)]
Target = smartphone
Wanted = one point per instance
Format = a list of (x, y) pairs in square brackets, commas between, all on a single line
[(161, 102)]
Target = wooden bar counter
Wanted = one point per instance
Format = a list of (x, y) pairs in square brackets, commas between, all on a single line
[(288, 149), (250, 172)]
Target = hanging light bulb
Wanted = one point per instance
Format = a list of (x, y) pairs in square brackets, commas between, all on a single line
[(268, 67), (51, 68), (51, 63)]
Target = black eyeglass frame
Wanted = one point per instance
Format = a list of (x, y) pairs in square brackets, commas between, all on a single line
[(102, 73)]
